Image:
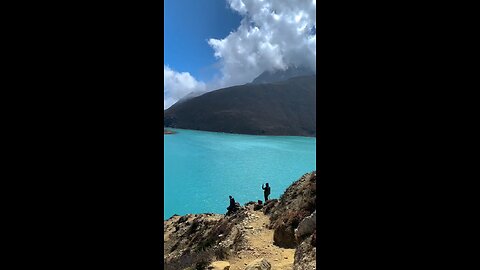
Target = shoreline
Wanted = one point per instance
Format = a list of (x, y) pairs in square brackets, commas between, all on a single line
[(246, 134), (166, 131)]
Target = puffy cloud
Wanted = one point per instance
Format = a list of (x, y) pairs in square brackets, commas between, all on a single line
[(273, 34), (177, 85)]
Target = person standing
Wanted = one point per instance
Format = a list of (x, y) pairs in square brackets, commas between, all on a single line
[(266, 191), (232, 207)]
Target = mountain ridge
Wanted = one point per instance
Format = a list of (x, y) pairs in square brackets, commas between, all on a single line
[(282, 75), (280, 108)]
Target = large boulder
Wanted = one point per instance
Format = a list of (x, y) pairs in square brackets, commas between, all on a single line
[(258, 206), (259, 264), (219, 265), (306, 226), (284, 236)]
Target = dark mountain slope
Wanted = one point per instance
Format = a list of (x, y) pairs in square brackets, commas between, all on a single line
[(281, 108)]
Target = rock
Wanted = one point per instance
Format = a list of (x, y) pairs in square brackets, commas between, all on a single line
[(258, 206), (259, 264), (306, 226), (250, 203), (219, 265), (249, 227), (268, 206), (182, 219), (305, 255), (284, 236)]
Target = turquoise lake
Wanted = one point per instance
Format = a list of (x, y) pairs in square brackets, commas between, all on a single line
[(203, 168)]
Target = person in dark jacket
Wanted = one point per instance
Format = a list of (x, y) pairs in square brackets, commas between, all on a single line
[(266, 191), (232, 207)]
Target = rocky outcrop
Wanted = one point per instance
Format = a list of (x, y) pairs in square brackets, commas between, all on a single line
[(197, 240), (305, 255), (297, 203), (294, 221), (269, 206), (207, 241), (259, 264)]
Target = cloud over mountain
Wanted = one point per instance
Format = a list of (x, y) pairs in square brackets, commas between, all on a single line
[(178, 84), (273, 34)]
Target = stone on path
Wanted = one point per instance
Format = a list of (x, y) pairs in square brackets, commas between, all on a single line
[(259, 264), (219, 265)]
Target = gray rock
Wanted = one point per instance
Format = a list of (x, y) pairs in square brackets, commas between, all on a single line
[(284, 236), (259, 264), (305, 256), (306, 226)]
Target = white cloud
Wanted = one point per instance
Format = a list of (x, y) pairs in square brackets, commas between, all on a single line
[(273, 34), (178, 84)]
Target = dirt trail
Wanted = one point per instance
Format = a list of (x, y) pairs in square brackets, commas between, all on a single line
[(260, 245)]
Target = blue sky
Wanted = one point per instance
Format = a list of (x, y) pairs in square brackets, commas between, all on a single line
[(188, 25), (212, 44)]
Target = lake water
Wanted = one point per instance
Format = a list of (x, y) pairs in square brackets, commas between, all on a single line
[(203, 168)]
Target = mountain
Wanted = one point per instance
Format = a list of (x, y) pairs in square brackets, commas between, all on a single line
[(281, 75), (190, 96), (278, 108)]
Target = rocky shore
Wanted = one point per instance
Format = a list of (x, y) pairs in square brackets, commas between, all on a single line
[(280, 234)]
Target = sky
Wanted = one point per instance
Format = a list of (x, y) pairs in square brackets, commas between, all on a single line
[(211, 44), (188, 25)]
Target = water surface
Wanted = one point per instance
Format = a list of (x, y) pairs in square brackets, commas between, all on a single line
[(203, 168)]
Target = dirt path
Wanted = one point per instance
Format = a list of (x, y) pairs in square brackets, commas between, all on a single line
[(260, 245)]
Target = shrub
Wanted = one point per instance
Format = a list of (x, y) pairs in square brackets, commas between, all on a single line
[(202, 265)]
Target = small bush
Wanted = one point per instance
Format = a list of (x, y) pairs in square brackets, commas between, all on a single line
[(222, 253), (205, 244), (193, 227), (202, 265), (182, 219)]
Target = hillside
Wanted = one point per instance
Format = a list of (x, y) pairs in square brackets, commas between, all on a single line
[(279, 108), (277, 235)]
